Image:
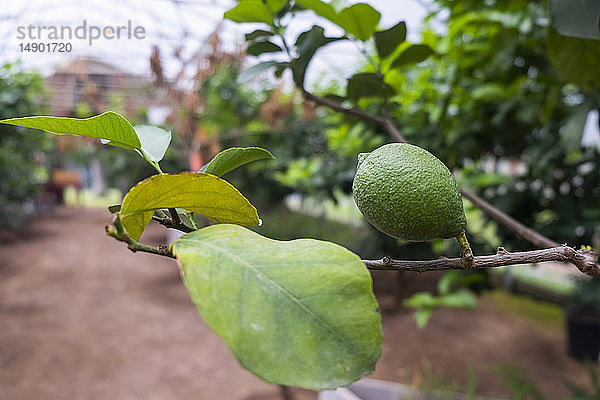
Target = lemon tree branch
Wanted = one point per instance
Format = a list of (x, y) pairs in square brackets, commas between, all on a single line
[(585, 260)]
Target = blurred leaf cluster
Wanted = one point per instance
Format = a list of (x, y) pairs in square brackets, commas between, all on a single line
[(452, 292), (21, 154)]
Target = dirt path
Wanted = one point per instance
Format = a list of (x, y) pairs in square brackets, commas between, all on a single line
[(83, 318)]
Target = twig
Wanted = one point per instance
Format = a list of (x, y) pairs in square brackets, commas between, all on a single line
[(494, 213), (286, 393), (357, 112), (118, 233), (585, 260)]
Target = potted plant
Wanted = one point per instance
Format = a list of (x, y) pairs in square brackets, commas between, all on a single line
[(583, 320)]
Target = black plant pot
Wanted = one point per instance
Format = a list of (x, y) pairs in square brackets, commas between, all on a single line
[(583, 332)]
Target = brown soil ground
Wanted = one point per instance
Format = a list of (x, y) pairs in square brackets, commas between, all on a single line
[(81, 317)]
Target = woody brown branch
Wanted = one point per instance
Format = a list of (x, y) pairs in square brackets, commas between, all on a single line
[(585, 260)]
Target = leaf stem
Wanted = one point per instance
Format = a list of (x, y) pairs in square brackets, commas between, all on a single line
[(466, 254), (156, 166)]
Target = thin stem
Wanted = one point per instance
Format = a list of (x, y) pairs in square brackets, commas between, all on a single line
[(156, 167), (175, 216), (118, 233), (466, 253), (585, 260), (153, 163)]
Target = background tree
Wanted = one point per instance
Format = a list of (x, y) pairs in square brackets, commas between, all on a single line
[(21, 155)]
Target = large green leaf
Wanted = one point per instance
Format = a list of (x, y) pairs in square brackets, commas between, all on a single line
[(197, 192), (109, 126), (368, 84), (577, 18), (307, 45), (234, 157), (297, 312), (387, 41), (360, 20), (250, 11), (576, 60), (154, 140), (414, 54)]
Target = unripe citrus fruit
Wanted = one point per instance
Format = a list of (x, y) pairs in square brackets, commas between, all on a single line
[(408, 193)]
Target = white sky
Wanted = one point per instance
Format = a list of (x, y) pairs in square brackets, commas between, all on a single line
[(168, 23)]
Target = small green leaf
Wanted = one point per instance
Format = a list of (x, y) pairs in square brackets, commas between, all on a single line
[(387, 41), (246, 75), (576, 18), (197, 192), (489, 92), (297, 312), (414, 54), (307, 44), (250, 11), (321, 8), (154, 140), (461, 299), (234, 157), (368, 85), (450, 278), (420, 299), (258, 34), (422, 316), (258, 48), (109, 126), (360, 20)]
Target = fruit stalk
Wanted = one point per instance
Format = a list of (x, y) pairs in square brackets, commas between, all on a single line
[(466, 254)]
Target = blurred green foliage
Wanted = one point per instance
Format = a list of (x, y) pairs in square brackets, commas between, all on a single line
[(492, 89), (21, 153)]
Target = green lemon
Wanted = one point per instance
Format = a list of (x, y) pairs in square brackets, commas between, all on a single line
[(408, 193)]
